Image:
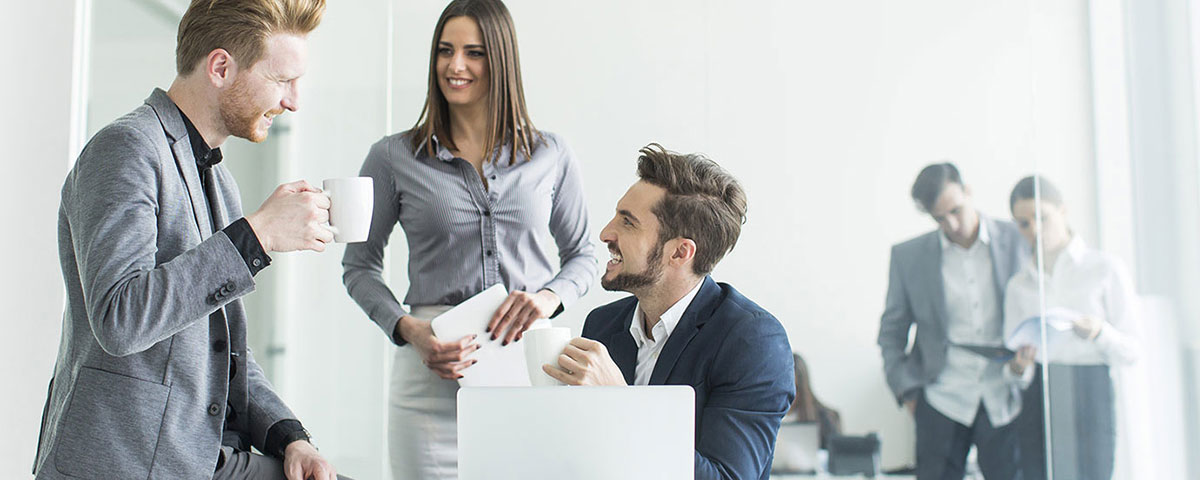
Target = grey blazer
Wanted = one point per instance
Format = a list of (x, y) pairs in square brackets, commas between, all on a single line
[(141, 384), (915, 295)]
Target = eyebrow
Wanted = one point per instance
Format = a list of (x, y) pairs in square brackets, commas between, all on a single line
[(469, 45), (629, 214)]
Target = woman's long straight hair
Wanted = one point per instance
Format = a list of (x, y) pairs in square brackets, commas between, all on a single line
[(508, 119)]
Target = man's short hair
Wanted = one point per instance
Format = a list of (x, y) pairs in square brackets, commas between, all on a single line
[(241, 27), (931, 182), (704, 203)]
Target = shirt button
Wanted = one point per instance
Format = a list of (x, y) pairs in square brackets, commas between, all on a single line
[(214, 409), (493, 177), (488, 253), (219, 346), (487, 213)]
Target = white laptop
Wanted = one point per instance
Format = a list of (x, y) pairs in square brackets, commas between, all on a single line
[(583, 433), (796, 448)]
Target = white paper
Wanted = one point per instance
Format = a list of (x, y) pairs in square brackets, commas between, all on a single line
[(1029, 332), (497, 366)]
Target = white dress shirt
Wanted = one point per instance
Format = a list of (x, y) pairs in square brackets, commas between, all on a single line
[(1091, 283), (649, 348), (973, 317)]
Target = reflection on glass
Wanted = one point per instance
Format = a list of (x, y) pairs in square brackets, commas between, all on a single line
[(1088, 308)]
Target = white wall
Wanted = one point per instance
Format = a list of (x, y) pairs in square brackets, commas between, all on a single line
[(35, 91)]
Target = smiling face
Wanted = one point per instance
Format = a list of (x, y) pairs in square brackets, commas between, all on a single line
[(462, 64), (266, 89), (632, 237)]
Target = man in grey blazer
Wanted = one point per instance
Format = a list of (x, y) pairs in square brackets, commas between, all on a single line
[(153, 377), (949, 283)]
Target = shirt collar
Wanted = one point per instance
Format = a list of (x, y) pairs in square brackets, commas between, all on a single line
[(205, 157), (984, 237), (668, 320), (442, 153)]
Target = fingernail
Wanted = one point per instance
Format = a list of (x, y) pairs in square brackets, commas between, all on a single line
[(493, 337), (504, 344), (488, 329)]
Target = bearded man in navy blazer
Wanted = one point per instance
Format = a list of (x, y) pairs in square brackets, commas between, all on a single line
[(682, 328)]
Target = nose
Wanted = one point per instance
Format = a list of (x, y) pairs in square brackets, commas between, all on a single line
[(458, 62), (607, 235), (291, 96)]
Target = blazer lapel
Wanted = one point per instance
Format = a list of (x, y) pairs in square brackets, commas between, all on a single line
[(181, 147), (621, 347), (693, 319), (933, 278)]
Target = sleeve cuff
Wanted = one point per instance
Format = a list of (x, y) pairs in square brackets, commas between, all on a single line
[(247, 245), (282, 434), (566, 292)]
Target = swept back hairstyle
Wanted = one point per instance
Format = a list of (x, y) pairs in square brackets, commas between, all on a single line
[(241, 27), (703, 203), (1025, 190), (930, 183), (508, 119)]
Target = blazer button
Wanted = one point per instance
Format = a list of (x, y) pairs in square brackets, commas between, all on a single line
[(214, 409), (219, 346), (257, 262)]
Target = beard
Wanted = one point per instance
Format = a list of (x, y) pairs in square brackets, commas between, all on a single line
[(239, 114), (628, 282)]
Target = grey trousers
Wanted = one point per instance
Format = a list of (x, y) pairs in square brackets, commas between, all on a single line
[(238, 465)]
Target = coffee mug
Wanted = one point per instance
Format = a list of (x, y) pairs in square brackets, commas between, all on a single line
[(351, 203), (542, 347)]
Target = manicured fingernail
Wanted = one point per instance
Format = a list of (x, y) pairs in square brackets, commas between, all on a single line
[(488, 329), (493, 337), (504, 344)]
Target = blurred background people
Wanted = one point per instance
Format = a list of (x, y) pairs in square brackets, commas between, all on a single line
[(948, 284), (1094, 290)]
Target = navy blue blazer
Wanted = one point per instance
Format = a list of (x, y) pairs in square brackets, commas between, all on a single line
[(737, 358)]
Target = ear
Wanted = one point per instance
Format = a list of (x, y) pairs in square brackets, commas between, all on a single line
[(683, 251), (220, 68)]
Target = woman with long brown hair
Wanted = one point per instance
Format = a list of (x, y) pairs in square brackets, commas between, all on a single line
[(478, 192), (806, 407)]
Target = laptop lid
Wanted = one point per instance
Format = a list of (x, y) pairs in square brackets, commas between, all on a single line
[(576, 432)]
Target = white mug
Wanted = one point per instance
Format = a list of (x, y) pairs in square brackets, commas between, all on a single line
[(351, 203), (542, 347)]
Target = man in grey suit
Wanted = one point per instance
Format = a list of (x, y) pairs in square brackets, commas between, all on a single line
[(949, 283), (153, 377)]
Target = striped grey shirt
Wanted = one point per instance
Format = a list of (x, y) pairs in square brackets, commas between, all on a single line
[(464, 237)]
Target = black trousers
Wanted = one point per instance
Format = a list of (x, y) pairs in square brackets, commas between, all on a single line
[(1082, 424), (943, 444)]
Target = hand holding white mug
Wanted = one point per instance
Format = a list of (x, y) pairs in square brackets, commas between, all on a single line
[(586, 362), (351, 206), (291, 219)]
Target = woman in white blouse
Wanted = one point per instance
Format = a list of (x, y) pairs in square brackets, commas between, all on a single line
[(1089, 300)]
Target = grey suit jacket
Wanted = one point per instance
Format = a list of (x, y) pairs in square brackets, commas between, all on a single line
[(915, 295), (141, 385)]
